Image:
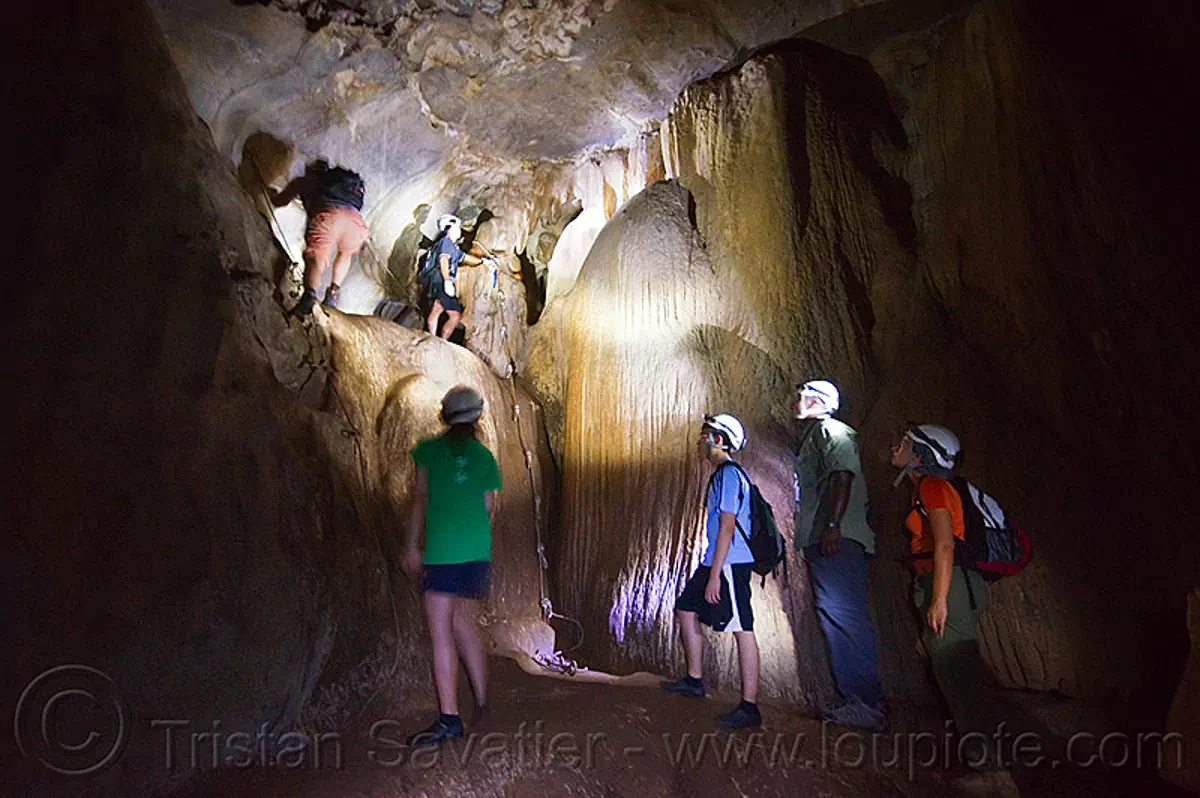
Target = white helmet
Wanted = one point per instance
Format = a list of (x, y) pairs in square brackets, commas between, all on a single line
[(730, 427), (824, 392), (941, 441), (446, 221)]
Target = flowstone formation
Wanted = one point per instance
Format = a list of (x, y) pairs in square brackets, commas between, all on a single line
[(206, 495), (211, 513), (863, 220)]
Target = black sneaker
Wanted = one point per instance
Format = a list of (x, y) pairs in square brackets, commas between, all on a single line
[(479, 715), (686, 687), (446, 727), (332, 296), (743, 716), (305, 305)]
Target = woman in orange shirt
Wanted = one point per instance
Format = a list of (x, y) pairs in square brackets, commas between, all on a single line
[(950, 598)]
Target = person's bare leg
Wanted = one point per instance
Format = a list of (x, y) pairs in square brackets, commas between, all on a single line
[(341, 266), (439, 610), (689, 630), (452, 317), (470, 647), (434, 315), (313, 268), (747, 646)]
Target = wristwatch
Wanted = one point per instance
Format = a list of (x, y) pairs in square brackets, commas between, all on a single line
[(832, 524)]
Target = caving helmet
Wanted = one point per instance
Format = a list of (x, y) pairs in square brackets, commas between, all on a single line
[(825, 393), (937, 441), (461, 405), (728, 426)]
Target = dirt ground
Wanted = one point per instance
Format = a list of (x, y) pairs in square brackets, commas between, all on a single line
[(548, 737)]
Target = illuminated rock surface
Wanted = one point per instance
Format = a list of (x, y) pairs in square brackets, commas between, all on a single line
[(952, 219), (217, 495), (921, 258)]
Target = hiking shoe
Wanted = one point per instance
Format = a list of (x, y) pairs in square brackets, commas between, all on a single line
[(687, 687), (332, 296), (305, 305), (743, 716), (853, 712), (446, 727)]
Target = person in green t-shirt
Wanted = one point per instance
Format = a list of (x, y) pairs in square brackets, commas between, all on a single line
[(454, 493), (833, 534)]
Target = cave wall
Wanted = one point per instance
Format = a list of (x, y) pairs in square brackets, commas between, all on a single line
[(793, 163), (946, 230), (204, 498), (1052, 276), (625, 365)]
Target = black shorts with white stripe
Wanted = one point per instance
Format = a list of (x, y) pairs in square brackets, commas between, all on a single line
[(725, 615)]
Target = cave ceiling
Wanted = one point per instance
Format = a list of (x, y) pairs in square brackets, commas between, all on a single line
[(396, 87)]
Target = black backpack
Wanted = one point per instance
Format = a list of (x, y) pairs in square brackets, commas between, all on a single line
[(765, 542), (342, 187), (992, 545), (430, 270)]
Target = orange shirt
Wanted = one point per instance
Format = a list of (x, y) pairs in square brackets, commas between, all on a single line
[(936, 494)]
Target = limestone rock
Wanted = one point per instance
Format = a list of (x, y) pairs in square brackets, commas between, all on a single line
[(210, 494), (601, 70), (637, 351), (865, 221)]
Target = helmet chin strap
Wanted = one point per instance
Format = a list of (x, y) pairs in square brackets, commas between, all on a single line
[(904, 472)]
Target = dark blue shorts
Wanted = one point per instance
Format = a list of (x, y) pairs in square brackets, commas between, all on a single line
[(467, 579), (732, 613), (437, 291)]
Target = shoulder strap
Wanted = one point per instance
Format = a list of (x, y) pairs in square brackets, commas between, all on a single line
[(919, 505), (741, 493)]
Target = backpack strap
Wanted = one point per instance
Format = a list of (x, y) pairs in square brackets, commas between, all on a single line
[(741, 493), (738, 524), (970, 590), (919, 506)]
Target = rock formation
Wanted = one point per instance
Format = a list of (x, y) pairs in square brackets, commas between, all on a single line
[(206, 496), (890, 224), (954, 216)]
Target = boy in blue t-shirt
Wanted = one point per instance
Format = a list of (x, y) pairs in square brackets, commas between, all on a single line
[(718, 593)]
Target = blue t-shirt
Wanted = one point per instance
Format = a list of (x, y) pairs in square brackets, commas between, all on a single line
[(444, 246), (730, 493)]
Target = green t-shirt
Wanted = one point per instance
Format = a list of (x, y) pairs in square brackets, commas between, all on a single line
[(827, 448), (457, 527)]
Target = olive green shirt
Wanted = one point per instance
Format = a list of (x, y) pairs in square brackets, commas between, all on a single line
[(830, 446)]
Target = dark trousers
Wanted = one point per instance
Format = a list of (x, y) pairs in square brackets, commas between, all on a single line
[(840, 584)]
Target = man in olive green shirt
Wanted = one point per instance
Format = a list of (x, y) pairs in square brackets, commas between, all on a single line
[(832, 531)]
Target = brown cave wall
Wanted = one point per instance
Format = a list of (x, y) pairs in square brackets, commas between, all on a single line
[(190, 513), (630, 350), (944, 231), (793, 160), (1071, 315)]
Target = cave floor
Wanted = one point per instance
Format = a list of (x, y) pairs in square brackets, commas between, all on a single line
[(549, 737)]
